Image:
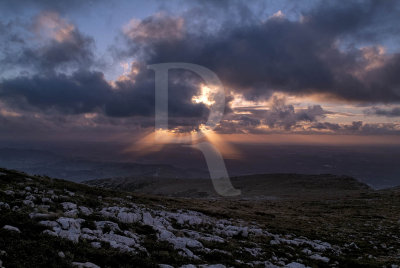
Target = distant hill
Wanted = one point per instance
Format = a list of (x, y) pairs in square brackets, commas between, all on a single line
[(261, 186), (78, 169)]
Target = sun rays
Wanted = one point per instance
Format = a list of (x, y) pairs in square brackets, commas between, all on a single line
[(156, 141)]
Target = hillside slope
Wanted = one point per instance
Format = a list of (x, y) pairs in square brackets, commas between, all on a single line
[(47, 222)]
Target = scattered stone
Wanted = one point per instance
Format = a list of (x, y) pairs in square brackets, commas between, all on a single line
[(11, 228), (49, 223), (319, 258), (68, 205), (212, 266), (46, 200), (69, 193), (295, 265), (9, 192), (96, 244), (71, 213), (85, 211), (36, 215), (30, 197), (85, 265), (4, 205)]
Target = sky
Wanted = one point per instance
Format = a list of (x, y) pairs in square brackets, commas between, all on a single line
[(306, 71)]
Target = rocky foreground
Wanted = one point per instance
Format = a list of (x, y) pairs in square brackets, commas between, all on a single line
[(54, 223)]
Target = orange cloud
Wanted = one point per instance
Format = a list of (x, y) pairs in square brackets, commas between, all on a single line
[(156, 27), (50, 25)]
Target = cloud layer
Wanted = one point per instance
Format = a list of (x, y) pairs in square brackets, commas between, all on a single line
[(341, 53)]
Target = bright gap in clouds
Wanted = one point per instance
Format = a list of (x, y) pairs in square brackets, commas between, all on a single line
[(205, 96)]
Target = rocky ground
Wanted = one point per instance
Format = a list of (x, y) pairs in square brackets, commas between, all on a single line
[(54, 223)]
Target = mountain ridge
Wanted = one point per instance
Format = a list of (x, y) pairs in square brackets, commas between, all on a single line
[(280, 185), (77, 169)]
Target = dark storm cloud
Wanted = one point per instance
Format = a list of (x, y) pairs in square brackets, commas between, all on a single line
[(280, 116), (55, 54), (48, 43), (136, 97), (64, 127), (61, 46), (297, 57), (326, 126), (356, 128), (394, 112), (86, 92), (285, 116), (80, 92), (368, 20), (60, 6), (238, 123)]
